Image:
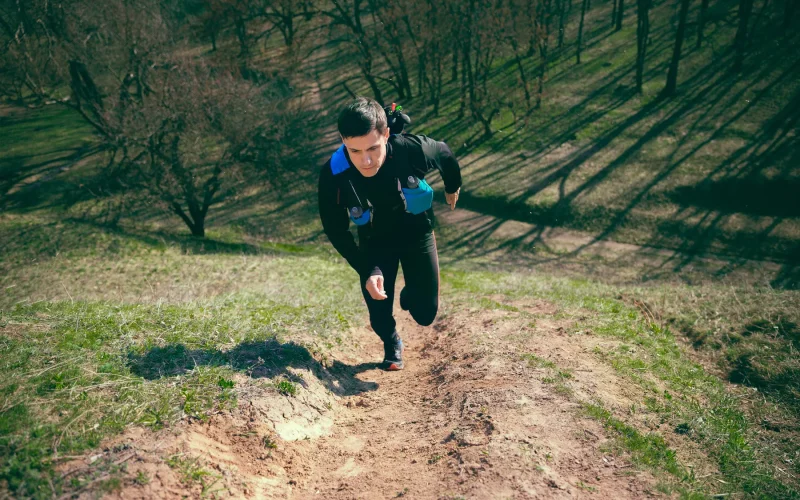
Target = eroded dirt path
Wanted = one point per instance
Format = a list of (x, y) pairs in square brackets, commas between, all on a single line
[(469, 417), (465, 419)]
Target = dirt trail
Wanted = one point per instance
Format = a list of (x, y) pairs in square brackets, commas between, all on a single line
[(467, 418)]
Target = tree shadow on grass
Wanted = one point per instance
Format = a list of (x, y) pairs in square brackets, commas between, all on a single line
[(263, 359)]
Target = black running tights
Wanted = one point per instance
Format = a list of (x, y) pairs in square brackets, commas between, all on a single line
[(420, 263)]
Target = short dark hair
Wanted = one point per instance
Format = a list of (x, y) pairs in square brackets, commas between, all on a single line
[(361, 117)]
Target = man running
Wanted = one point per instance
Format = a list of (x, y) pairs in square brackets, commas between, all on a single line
[(376, 180)]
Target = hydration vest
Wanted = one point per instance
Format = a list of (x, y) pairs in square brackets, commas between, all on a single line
[(416, 194)]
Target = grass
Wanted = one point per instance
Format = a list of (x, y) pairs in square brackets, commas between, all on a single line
[(168, 333), (191, 471), (599, 158), (286, 387), (725, 421), (102, 326), (595, 157), (84, 368), (649, 450)]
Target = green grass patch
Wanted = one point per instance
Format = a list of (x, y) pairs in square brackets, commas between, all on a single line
[(191, 471), (78, 372), (535, 361), (286, 387), (646, 449), (696, 403)]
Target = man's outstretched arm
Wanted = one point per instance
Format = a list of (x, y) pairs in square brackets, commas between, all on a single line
[(438, 155)]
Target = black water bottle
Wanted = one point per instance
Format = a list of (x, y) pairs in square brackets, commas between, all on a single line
[(413, 182)]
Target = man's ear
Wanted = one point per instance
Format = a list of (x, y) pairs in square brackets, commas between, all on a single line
[(386, 133)]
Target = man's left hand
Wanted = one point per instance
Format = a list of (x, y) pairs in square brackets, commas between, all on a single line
[(452, 198)]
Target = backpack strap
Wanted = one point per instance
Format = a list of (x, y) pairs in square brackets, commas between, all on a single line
[(339, 161), (358, 208)]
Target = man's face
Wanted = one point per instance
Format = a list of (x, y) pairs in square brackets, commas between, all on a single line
[(367, 152)]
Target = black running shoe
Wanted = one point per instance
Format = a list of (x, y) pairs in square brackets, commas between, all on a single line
[(393, 354)]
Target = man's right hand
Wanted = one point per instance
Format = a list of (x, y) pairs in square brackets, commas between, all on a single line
[(375, 287)]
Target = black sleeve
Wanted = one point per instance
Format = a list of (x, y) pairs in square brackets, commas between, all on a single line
[(335, 221), (437, 155)]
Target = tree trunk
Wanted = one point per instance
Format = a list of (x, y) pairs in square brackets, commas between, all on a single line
[(464, 62), (542, 72), (642, 32), (672, 75), (454, 74), (438, 79), (199, 229), (701, 22), (196, 223), (213, 41), (620, 15), (288, 36), (561, 19), (373, 84), (580, 32), (241, 34), (421, 73), (544, 41), (740, 42), (614, 13), (789, 7), (522, 76)]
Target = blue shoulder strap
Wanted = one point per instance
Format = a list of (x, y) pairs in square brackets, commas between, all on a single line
[(339, 161)]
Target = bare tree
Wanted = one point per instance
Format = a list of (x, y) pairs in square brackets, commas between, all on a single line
[(212, 19), (521, 27), (742, 34), (614, 12), (672, 75), (192, 142), (789, 9), (287, 15), (347, 15), (701, 22), (481, 39), (181, 131), (543, 42), (391, 39), (580, 32), (642, 32)]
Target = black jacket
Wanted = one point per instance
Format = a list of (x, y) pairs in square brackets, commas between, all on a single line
[(390, 224)]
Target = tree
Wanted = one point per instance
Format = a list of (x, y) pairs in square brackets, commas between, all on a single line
[(614, 13), (543, 41), (287, 16), (347, 15), (212, 20), (642, 32), (701, 22), (740, 41), (180, 130), (391, 41), (580, 32), (431, 33), (672, 75), (620, 14), (789, 8)]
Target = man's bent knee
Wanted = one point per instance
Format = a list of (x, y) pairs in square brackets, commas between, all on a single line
[(425, 316)]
